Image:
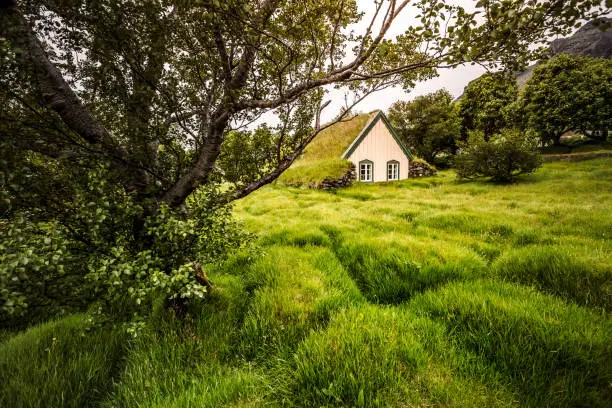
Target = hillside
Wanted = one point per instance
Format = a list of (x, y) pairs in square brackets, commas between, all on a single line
[(429, 292), (587, 40), (323, 157)]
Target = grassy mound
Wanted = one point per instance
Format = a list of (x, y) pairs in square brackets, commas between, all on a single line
[(390, 273), (59, 364), (378, 357), (558, 270), (552, 353), (323, 157), (293, 291)]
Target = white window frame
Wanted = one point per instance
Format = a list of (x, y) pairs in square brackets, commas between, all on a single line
[(367, 164), (393, 170)]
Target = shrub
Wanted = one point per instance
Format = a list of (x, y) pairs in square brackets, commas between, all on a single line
[(97, 252), (502, 158)]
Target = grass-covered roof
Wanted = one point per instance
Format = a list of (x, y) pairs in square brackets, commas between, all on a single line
[(323, 157)]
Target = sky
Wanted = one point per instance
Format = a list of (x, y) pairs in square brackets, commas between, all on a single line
[(453, 80)]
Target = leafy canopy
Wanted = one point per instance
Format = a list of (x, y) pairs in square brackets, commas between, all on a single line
[(487, 103), (429, 124), (569, 93)]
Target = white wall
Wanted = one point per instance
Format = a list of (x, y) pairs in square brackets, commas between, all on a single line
[(379, 146)]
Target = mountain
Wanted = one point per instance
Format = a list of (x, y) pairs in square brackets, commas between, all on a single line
[(588, 40)]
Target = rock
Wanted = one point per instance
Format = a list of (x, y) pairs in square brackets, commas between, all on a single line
[(346, 180), (588, 40), (421, 169)]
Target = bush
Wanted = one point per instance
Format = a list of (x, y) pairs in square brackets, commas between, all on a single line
[(96, 251), (503, 157)]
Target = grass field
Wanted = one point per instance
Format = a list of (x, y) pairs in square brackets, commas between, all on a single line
[(426, 292)]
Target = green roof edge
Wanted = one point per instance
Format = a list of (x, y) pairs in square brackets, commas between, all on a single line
[(366, 130)]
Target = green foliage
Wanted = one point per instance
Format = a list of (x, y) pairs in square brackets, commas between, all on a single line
[(569, 93), (247, 156), (429, 125), (40, 274), (502, 158), (109, 251), (59, 364), (487, 103)]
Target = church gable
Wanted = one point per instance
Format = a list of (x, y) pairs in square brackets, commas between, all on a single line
[(378, 153), (376, 124)]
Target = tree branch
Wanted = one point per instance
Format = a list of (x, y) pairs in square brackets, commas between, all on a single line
[(54, 88)]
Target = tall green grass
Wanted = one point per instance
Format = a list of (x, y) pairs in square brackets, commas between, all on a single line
[(59, 364), (294, 291), (556, 270), (378, 357), (553, 353), (388, 273), (427, 292), (191, 362)]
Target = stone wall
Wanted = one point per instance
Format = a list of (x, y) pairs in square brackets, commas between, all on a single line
[(421, 169), (346, 180), (575, 156)]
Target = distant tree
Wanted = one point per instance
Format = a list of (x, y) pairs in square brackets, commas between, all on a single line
[(504, 156), (429, 124), (569, 93), (486, 104)]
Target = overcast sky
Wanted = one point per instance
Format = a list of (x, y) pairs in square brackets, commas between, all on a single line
[(454, 80)]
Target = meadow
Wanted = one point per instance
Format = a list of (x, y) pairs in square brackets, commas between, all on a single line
[(423, 292)]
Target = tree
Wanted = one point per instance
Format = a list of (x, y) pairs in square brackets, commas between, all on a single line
[(487, 102), (429, 124), (506, 155), (569, 93), (137, 98)]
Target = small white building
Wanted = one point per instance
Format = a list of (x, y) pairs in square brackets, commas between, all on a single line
[(378, 153)]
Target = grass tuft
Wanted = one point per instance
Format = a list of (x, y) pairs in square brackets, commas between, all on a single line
[(59, 364)]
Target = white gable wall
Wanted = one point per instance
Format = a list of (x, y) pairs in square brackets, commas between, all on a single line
[(379, 147)]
